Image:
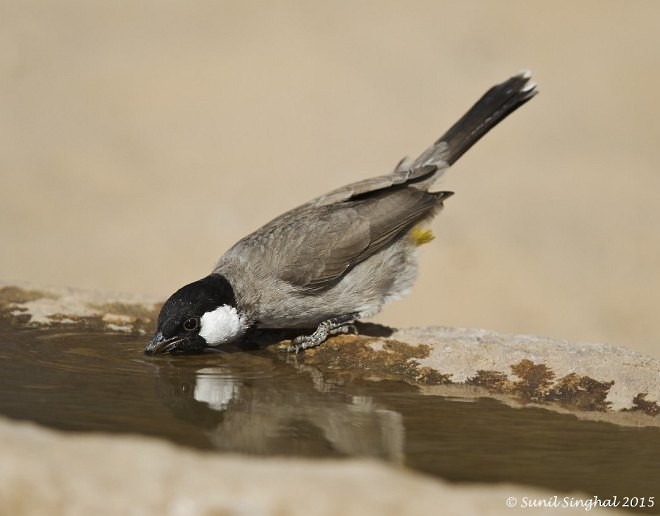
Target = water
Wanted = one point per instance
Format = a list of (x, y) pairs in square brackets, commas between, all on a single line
[(263, 403)]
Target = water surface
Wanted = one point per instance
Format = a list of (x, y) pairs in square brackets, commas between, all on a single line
[(262, 403)]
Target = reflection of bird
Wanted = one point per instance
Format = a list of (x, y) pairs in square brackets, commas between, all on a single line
[(335, 259), (215, 387), (269, 417)]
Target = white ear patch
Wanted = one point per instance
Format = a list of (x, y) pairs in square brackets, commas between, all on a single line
[(221, 325)]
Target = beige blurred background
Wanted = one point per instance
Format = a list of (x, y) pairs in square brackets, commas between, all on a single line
[(139, 140)]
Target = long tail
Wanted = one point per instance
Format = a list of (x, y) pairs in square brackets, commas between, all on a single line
[(497, 103)]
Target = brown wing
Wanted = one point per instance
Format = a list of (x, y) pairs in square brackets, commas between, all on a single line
[(322, 243)]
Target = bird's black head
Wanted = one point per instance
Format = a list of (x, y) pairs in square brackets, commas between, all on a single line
[(201, 314)]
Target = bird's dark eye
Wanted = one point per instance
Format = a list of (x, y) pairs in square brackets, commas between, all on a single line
[(191, 324)]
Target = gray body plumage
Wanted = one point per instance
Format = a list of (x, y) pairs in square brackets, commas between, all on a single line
[(350, 250), (329, 257)]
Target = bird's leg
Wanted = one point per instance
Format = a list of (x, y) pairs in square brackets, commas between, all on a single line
[(341, 324)]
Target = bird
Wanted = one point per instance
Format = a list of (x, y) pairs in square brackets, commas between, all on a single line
[(334, 260)]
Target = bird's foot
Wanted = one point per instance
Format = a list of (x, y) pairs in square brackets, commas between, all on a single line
[(334, 326)]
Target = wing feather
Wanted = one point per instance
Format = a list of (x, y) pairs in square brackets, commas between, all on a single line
[(343, 235)]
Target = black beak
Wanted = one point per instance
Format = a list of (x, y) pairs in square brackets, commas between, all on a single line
[(159, 344)]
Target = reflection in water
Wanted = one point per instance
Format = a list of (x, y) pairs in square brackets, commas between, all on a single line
[(215, 387), (280, 420), (263, 403)]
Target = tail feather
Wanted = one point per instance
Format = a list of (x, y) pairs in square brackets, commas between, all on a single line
[(496, 104)]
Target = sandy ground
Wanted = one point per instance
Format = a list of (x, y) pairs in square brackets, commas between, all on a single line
[(139, 140)]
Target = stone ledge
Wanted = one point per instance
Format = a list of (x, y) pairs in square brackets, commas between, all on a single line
[(592, 381), (27, 305)]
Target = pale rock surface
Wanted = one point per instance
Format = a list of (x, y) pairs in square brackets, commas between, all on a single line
[(47, 472)]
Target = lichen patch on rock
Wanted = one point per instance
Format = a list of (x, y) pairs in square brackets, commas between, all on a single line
[(641, 404), (380, 359), (536, 383)]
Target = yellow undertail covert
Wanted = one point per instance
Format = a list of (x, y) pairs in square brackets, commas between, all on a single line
[(421, 236)]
